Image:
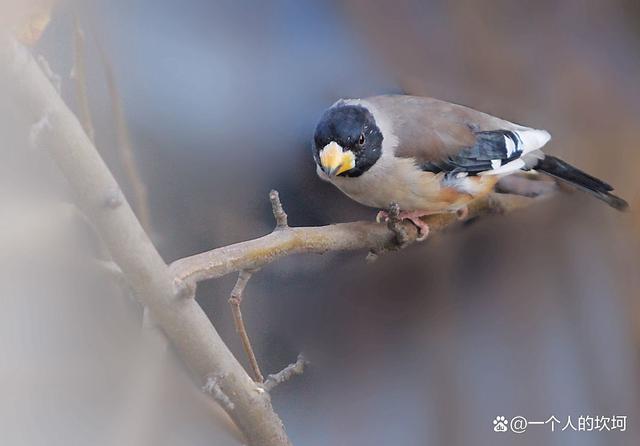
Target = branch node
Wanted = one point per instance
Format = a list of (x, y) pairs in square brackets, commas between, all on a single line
[(278, 211), (212, 387), (297, 368), (184, 289), (113, 200), (38, 128)]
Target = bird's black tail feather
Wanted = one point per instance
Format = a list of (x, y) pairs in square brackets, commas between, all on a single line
[(572, 175)]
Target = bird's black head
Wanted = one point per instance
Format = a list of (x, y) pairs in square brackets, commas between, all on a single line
[(347, 141)]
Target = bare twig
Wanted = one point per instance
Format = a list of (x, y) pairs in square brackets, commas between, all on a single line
[(235, 301), (79, 76), (278, 211), (125, 147), (182, 320), (297, 368)]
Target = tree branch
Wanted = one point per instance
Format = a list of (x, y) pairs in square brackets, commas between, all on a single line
[(182, 320), (285, 241), (297, 368), (235, 301)]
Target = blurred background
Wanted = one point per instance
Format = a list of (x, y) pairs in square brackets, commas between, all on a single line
[(533, 314)]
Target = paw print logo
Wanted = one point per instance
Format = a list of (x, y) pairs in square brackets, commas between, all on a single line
[(500, 424)]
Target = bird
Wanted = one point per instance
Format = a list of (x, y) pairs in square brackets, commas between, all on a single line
[(430, 156)]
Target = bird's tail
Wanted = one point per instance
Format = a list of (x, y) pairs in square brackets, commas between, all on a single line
[(576, 177)]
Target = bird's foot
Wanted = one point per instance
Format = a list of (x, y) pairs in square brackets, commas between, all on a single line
[(382, 216), (413, 217)]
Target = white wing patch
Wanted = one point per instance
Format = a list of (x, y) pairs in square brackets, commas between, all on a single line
[(529, 143), (510, 145), (512, 166), (532, 139)]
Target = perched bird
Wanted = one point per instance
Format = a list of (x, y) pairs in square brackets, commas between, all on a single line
[(431, 156)]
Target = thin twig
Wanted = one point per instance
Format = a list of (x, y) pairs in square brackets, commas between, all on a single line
[(278, 211), (235, 302), (79, 75), (125, 147), (297, 368)]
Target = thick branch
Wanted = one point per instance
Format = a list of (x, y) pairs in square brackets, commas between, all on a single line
[(286, 241), (182, 320)]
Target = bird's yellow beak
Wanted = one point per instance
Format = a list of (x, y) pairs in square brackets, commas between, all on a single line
[(334, 161)]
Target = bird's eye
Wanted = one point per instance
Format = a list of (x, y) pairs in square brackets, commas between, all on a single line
[(361, 139)]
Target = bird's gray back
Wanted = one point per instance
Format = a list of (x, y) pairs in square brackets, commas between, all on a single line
[(427, 129)]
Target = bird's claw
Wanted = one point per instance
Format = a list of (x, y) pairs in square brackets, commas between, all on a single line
[(423, 228), (382, 217), (413, 217)]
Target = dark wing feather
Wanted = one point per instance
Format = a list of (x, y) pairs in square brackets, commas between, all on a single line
[(441, 136), (489, 151)]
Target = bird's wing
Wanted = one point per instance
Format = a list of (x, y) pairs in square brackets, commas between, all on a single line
[(445, 137)]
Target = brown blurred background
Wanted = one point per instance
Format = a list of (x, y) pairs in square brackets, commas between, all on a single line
[(533, 313)]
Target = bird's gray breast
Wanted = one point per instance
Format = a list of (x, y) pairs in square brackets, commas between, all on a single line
[(390, 180)]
